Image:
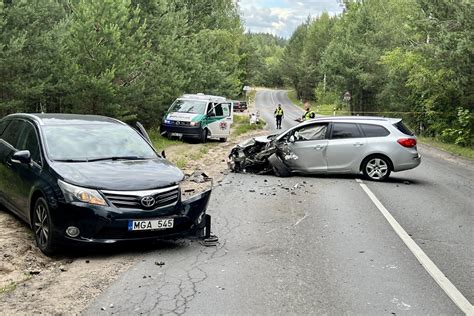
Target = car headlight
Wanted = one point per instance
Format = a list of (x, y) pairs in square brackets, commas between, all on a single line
[(194, 123), (74, 193), (168, 122)]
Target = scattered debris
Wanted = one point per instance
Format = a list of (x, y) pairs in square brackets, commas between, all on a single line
[(35, 272), (159, 263)]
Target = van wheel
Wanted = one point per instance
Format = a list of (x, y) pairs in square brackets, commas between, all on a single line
[(222, 140), (43, 227), (203, 137), (376, 168)]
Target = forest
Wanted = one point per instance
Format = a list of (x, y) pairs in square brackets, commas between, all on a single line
[(131, 58)]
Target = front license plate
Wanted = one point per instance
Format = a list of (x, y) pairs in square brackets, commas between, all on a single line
[(154, 224), (176, 134)]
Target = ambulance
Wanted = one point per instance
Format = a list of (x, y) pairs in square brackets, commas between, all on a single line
[(198, 116)]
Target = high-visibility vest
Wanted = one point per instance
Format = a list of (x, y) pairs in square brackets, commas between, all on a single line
[(309, 115), (279, 112)]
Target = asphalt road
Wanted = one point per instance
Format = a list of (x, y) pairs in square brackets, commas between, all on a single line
[(315, 245)]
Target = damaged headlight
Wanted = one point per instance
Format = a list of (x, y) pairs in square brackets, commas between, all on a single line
[(74, 193)]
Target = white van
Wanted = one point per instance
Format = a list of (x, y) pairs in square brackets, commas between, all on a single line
[(198, 116)]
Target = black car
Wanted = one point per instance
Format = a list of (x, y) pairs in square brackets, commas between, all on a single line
[(91, 179)]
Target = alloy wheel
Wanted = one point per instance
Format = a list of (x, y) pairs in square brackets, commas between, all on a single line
[(377, 168), (41, 225)]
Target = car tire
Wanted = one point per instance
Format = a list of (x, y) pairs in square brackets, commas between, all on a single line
[(43, 227), (376, 168), (222, 139), (203, 136), (279, 168)]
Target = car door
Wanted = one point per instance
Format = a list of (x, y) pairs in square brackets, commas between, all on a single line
[(28, 174), (10, 184), (345, 147), (306, 151), (220, 120)]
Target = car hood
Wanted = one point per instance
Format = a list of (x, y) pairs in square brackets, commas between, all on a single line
[(129, 175)]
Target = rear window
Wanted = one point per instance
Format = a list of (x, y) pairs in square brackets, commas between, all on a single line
[(345, 130), (371, 130), (402, 128)]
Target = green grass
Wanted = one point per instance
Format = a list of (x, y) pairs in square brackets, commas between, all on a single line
[(160, 142), (242, 125), (466, 152), (322, 109), (10, 287)]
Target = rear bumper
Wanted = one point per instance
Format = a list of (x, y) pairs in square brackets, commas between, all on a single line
[(409, 163), (185, 131)]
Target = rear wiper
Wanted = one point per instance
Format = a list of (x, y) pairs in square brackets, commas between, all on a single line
[(118, 158)]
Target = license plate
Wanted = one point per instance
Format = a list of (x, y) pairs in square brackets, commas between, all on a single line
[(176, 134), (154, 224)]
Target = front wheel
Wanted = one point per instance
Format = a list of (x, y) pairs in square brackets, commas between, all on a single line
[(43, 227), (203, 136), (376, 168), (222, 139)]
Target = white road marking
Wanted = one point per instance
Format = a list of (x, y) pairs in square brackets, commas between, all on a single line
[(425, 261), (301, 219), (273, 100)]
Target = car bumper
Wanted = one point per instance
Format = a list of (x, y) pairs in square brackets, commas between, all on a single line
[(108, 225), (182, 131), (408, 163)]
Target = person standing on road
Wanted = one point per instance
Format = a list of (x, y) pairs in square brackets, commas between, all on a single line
[(309, 114), (278, 115)]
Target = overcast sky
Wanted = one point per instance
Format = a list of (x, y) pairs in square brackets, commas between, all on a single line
[(281, 17)]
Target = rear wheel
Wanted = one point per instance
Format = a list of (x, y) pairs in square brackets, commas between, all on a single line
[(222, 139), (376, 168), (43, 227)]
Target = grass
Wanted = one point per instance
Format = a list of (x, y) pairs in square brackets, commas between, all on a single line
[(322, 109), (10, 287), (160, 142), (466, 152), (242, 125)]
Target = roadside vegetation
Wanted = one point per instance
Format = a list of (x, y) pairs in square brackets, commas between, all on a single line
[(462, 151)]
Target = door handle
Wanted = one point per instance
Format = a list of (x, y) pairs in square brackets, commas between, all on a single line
[(358, 144), (319, 147)]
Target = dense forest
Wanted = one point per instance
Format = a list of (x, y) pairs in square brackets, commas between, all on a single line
[(130, 58), (408, 58)]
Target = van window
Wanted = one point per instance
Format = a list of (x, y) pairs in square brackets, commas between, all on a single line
[(226, 109), (371, 130), (188, 106), (345, 130), (218, 110)]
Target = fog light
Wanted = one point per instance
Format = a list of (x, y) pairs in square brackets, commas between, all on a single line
[(72, 231)]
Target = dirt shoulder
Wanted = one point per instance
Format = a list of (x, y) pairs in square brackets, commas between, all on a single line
[(33, 283)]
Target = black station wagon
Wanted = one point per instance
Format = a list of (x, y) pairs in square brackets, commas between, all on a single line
[(91, 179)]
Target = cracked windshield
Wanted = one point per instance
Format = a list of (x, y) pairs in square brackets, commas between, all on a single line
[(236, 157)]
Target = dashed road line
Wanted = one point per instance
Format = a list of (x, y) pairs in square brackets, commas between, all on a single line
[(449, 288)]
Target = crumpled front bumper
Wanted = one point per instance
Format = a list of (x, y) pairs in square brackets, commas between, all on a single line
[(108, 225)]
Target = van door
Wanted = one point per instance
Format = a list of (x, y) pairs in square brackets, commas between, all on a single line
[(219, 120)]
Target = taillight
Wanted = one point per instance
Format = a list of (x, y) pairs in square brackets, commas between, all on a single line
[(407, 142)]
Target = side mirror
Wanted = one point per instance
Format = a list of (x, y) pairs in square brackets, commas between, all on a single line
[(292, 139), (22, 156)]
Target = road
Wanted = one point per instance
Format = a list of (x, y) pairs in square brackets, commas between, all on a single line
[(316, 245)]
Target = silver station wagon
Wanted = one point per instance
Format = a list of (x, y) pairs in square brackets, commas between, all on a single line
[(375, 146)]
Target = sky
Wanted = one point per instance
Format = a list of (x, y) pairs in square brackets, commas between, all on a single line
[(281, 17)]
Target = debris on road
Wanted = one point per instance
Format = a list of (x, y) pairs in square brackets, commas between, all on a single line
[(159, 263)]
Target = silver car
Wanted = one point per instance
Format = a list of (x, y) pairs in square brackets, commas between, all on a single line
[(374, 146)]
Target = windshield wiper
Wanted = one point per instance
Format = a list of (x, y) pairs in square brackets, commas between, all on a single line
[(71, 160), (118, 158)]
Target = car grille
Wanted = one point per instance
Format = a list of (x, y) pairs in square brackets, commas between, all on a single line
[(133, 199)]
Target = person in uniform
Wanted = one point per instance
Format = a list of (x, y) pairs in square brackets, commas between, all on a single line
[(309, 114), (279, 116)]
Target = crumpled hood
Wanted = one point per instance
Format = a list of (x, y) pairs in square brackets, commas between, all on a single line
[(129, 175)]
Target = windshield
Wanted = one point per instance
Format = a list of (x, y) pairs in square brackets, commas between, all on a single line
[(189, 106), (89, 142)]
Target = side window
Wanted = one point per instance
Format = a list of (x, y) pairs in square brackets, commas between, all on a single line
[(210, 108), (311, 132), (3, 125), (29, 141), (219, 111), (374, 130), (12, 132), (345, 130), (226, 109)]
